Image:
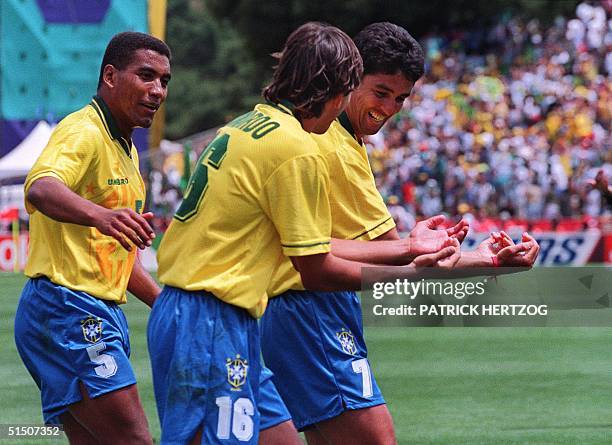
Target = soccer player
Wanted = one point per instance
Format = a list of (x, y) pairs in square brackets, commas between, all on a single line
[(313, 341), (259, 191), (85, 196)]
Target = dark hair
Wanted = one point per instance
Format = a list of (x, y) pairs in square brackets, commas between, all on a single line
[(120, 50), (387, 49), (317, 63)]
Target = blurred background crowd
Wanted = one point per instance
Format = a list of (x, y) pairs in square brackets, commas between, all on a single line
[(509, 121)]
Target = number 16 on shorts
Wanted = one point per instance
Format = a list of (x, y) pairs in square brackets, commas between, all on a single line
[(235, 418)]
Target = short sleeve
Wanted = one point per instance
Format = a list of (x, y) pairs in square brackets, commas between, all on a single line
[(296, 199), (358, 210), (66, 157)]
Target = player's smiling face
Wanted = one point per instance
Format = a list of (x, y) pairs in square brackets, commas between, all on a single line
[(140, 89), (378, 97)]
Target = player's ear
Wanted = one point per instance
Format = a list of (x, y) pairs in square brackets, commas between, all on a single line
[(109, 74), (339, 102)]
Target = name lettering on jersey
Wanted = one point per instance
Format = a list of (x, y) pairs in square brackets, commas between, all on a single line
[(347, 341), (256, 123), (92, 329), (117, 181), (237, 369)]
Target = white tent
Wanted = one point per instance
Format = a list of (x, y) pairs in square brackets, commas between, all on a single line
[(18, 162)]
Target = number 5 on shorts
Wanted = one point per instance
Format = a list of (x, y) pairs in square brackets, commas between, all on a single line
[(108, 365), (362, 367)]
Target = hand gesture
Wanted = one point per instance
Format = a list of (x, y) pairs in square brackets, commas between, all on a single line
[(446, 258), (502, 251), (425, 238), (125, 225)]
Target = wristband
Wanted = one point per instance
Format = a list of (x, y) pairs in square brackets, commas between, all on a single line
[(495, 261)]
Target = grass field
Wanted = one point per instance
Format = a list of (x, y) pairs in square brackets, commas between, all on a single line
[(443, 385)]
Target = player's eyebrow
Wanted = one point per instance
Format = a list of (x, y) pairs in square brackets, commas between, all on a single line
[(146, 69), (382, 86)]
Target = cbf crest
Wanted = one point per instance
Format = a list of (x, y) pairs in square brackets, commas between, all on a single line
[(237, 369), (92, 329), (347, 341)]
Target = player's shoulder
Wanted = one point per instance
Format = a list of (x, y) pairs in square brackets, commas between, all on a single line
[(330, 141), (272, 129), (82, 124)]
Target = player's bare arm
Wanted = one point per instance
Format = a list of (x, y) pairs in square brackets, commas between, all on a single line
[(142, 285), (390, 249), (51, 197), (327, 272)]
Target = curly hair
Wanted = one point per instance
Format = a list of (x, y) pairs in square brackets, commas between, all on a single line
[(121, 48), (387, 49), (317, 63)]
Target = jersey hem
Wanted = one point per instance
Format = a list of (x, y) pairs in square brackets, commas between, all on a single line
[(307, 249)]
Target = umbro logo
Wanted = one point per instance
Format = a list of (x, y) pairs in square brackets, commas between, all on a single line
[(117, 181)]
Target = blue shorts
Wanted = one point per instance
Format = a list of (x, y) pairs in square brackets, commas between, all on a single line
[(205, 358), (313, 342), (272, 409), (65, 336)]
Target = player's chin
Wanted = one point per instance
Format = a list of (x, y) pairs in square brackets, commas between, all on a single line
[(145, 122), (372, 126)]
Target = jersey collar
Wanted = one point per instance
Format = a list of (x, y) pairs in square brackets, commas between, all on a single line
[(346, 123), (110, 124), (284, 105)]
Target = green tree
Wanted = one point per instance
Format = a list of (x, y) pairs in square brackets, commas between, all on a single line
[(213, 76)]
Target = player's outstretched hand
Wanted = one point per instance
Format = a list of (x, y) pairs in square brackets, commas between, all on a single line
[(502, 251), (125, 225), (446, 257), (450, 261), (426, 238), (522, 254), (459, 230)]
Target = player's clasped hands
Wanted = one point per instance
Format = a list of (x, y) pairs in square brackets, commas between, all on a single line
[(433, 247), (446, 258), (500, 248), (125, 225)]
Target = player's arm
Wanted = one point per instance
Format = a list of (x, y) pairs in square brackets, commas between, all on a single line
[(53, 198), (390, 249), (396, 252), (142, 285), (389, 235), (327, 272)]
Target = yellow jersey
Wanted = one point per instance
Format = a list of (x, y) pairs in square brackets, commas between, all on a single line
[(259, 191), (88, 154), (357, 209)]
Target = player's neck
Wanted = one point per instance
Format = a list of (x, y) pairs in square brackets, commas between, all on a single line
[(312, 125), (350, 126), (119, 120)]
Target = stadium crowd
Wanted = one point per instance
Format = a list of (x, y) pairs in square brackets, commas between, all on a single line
[(510, 121)]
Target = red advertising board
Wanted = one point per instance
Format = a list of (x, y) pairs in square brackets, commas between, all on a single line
[(13, 252)]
